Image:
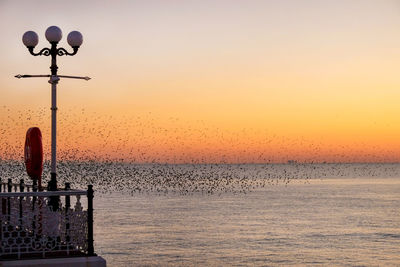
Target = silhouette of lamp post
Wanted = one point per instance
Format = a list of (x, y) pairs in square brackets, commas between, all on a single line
[(53, 35)]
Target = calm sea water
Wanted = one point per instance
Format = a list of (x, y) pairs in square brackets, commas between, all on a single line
[(343, 221), (239, 214)]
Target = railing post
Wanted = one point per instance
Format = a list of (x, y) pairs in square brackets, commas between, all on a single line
[(34, 189), (21, 185), (52, 186), (90, 196), (21, 189), (67, 207), (3, 206), (34, 185), (67, 198), (9, 187)]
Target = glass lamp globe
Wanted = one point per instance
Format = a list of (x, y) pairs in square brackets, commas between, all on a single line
[(53, 34), (75, 39), (30, 39)]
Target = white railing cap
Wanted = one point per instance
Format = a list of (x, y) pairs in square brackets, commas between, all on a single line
[(44, 194)]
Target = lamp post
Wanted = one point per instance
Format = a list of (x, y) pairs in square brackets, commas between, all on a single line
[(53, 35)]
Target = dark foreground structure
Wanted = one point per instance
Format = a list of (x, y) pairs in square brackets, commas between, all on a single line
[(46, 224)]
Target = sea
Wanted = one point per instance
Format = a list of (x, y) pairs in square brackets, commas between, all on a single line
[(243, 214), (350, 216)]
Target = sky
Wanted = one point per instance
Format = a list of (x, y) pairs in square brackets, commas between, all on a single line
[(209, 81)]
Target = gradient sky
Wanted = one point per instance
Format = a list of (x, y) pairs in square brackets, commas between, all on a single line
[(210, 81)]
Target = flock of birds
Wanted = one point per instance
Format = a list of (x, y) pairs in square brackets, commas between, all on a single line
[(143, 154), (187, 179)]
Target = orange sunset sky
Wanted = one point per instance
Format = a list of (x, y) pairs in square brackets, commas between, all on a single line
[(209, 81)]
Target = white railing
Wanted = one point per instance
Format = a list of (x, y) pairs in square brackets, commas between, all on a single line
[(45, 224)]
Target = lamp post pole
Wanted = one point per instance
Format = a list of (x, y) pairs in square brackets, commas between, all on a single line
[(53, 35), (53, 182), (53, 81)]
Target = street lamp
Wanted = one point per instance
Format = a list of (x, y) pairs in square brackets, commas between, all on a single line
[(53, 35)]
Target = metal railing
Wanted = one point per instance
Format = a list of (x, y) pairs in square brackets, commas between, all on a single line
[(31, 226)]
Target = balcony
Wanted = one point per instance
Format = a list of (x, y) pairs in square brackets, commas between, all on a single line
[(46, 224)]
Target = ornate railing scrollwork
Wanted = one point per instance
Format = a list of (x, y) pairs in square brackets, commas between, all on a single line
[(30, 228)]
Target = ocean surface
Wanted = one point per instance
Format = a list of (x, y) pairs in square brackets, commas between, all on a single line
[(239, 214), (349, 216)]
